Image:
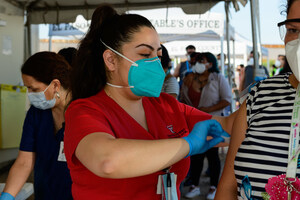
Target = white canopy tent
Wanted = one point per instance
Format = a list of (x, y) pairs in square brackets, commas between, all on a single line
[(63, 11)]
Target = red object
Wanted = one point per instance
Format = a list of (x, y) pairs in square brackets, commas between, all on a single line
[(277, 188), (166, 118)]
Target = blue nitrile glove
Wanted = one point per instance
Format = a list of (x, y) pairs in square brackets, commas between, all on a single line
[(197, 137), (6, 196)]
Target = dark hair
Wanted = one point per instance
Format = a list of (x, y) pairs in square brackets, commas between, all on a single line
[(224, 56), (89, 74), (69, 54), (211, 59), (251, 52), (46, 66), (190, 47), (286, 67), (165, 59)]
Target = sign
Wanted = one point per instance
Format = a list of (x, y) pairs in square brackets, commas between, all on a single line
[(177, 22), (68, 29), (188, 25)]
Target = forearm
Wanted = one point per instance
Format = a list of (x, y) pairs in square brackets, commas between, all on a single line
[(18, 174), (220, 105), (124, 158), (176, 71), (226, 190)]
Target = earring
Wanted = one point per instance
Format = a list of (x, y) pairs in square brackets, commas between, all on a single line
[(57, 94)]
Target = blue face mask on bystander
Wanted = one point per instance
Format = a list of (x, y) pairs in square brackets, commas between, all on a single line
[(38, 100), (145, 77)]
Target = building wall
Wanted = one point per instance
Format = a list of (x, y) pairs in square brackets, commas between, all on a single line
[(11, 55), (57, 44), (274, 50), (11, 48)]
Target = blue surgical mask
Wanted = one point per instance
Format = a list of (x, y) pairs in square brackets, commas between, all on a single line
[(38, 100), (145, 77)]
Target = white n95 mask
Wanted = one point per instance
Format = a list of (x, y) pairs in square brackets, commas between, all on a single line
[(277, 63), (292, 51), (199, 68)]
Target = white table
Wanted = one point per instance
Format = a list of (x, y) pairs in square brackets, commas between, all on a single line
[(26, 191)]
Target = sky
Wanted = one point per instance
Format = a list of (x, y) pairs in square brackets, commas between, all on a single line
[(269, 17), (241, 20)]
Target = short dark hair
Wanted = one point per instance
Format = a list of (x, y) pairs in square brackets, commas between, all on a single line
[(190, 47), (251, 52), (69, 54), (224, 56), (46, 66)]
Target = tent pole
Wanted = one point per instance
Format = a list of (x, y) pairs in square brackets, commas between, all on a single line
[(233, 52), (228, 47), (254, 36), (222, 55), (50, 43)]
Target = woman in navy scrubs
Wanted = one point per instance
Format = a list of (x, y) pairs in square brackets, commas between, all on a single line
[(46, 75)]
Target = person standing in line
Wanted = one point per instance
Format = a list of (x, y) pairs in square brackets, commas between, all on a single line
[(170, 85), (260, 73), (46, 76), (185, 66), (279, 64), (262, 159), (125, 139), (210, 92)]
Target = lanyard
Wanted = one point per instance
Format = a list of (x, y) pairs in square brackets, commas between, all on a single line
[(293, 147), (294, 138), (187, 66)]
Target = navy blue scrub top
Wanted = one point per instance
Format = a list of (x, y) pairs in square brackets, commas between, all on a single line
[(52, 180)]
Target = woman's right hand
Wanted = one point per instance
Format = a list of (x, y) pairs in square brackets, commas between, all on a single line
[(6, 196), (197, 138)]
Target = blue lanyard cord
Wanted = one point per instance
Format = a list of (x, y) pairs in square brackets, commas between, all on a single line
[(187, 66)]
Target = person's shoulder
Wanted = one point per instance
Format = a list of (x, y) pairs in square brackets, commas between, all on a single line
[(170, 79), (278, 81), (92, 101)]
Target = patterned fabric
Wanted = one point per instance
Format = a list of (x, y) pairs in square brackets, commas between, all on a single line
[(264, 152)]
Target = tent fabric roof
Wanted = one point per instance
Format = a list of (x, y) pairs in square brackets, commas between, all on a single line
[(64, 11)]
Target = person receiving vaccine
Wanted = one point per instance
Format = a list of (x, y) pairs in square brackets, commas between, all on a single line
[(124, 138), (262, 160), (46, 76)]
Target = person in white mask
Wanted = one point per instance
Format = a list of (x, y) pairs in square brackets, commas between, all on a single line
[(184, 66), (207, 90), (262, 158), (46, 76), (279, 64)]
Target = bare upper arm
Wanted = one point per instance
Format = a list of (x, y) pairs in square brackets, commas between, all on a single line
[(176, 70), (93, 149), (227, 188)]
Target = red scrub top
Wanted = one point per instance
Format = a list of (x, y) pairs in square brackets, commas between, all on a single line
[(166, 118)]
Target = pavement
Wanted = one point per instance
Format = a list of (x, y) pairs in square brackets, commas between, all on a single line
[(203, 183)]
